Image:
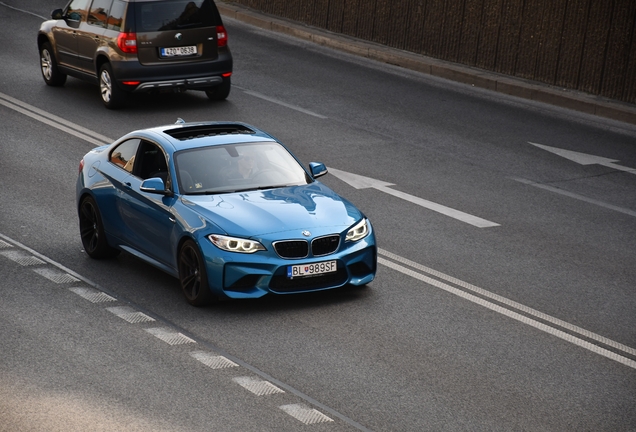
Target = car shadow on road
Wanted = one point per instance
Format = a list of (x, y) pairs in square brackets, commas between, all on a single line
[(293, 302)]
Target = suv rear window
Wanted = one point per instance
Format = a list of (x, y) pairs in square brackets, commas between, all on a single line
[(175, 15)]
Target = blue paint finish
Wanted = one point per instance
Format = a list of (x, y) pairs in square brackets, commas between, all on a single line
[(152, 224)]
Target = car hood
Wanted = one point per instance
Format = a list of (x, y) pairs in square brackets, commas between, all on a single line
[(312, 207)]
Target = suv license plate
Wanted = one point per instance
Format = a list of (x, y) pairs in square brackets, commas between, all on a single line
[(178, 51), (315, 269)]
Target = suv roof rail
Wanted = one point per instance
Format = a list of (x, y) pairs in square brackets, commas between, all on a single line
[(200, 131)]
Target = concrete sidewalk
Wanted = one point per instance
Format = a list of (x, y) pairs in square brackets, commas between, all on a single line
[(569, 99)]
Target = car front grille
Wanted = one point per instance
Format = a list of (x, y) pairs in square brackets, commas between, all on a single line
[(292, 248), (325, 245), (300, 248)]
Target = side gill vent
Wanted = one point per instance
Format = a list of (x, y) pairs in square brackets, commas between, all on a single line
[(200, 131)]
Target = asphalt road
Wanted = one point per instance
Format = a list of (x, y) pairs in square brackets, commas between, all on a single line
[(527, 323)]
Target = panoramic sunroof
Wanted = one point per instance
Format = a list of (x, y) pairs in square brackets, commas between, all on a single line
[(200, 131)]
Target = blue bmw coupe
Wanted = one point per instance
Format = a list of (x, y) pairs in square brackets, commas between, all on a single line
[(225, 208)]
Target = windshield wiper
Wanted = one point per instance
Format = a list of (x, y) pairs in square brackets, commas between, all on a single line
[(253, 188)]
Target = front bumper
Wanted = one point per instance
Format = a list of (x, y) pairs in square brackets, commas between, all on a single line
[(241, 276)]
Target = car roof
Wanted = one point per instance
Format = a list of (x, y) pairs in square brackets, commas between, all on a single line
[(182, 135)]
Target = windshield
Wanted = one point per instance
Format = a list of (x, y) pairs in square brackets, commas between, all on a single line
[(237, 167)]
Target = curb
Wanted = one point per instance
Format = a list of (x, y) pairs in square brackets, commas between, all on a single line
[(569, 99)]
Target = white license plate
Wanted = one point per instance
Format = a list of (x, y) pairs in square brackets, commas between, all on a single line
[(311, 269), (178, 51)]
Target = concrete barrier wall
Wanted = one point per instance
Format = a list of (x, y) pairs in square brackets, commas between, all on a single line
[(583, 45)]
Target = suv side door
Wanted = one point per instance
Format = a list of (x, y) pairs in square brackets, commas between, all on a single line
[(65, 33), (90, 33)]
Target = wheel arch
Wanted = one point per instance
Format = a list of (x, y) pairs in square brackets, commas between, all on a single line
[(43, 38), (184, 238), (100, 60), (85, 194)]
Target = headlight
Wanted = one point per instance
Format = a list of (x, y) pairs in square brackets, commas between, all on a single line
[(233, 244), (358, 232)]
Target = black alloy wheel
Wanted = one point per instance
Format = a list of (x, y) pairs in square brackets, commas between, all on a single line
[(192, 275), (92, 231)]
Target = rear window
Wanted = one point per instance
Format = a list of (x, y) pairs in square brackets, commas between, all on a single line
[(175, 15)]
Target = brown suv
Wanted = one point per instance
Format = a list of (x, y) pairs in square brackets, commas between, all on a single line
[(129, 46)]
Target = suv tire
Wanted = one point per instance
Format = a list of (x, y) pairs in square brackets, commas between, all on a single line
[(51, 74), (220, 92), (112, 96)]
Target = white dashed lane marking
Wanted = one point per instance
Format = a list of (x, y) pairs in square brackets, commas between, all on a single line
[(129, 314), (56, 276), (305, 414), (169, 336), (213, 361), (93, 295), (22, 258), (257, 386)]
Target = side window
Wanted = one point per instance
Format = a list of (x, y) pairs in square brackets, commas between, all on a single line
[(98, 13), (124, 154), (152, 163), (116, 17), (76, 10)]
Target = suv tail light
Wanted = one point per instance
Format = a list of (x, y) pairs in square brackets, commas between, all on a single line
[(81, 165), (127, 42), (221, 36)]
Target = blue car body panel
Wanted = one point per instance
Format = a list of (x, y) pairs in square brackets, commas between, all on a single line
[(152, 226)]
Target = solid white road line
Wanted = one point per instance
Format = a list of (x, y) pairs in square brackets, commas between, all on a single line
[(53, 120), (517, 316)]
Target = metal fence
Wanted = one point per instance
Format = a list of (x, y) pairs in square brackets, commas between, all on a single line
[(585, 45)]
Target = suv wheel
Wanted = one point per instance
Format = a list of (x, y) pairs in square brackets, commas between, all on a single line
[(51, 74), (220, 92), (112, 96)]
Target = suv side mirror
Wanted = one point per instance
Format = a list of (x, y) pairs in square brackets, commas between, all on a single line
[(57, 14), (317, 169)]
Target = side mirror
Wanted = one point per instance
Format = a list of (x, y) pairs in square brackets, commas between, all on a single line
[(317, 169), (57, 14), (154, 185)]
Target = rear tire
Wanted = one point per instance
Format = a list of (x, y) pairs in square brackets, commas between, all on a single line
[(220, 92), (92, 231), (48, 66), (192, 275), (112, 96)]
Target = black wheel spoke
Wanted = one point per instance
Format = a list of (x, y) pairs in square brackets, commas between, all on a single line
[(91, 231), (192, 275), (88, 213)]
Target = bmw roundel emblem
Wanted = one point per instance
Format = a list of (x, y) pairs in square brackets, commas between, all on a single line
[(178, 36), (306, 233)]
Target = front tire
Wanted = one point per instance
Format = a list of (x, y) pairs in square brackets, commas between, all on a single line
[(112, 96), (48, 66), (220, 92), (192, 275), (92, 231)]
